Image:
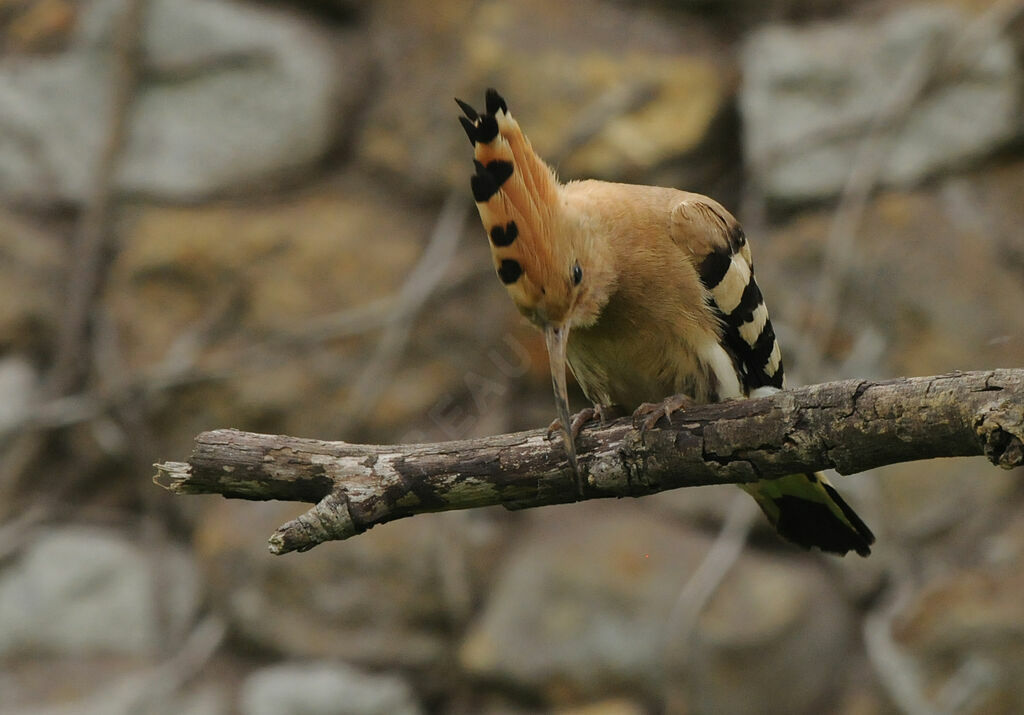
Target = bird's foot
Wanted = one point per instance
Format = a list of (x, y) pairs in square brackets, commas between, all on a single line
[(647, 415), (598, 413)]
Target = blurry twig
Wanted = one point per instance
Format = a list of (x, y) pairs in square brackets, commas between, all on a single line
[(177, 367), (359, 319), (90, 243), (134, 436), (342, 324), (708, 576), (896, 671), (422, 281), (702, 585), (899, 673), (15, 532), (87, 264), (966, 685), (860, 183), (170, 676)]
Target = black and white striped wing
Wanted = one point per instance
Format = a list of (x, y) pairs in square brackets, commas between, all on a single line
[(724, 266)]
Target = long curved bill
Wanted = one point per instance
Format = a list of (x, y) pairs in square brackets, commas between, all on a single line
[(557, 337)]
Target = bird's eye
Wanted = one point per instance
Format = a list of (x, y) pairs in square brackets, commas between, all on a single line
[(577, 274)]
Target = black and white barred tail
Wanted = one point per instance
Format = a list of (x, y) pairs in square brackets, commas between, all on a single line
[(804, 508)]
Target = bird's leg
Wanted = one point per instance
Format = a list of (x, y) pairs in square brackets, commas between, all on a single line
[(600, 413), (647, 414)]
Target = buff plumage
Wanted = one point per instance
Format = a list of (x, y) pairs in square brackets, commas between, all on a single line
[(645, 292)]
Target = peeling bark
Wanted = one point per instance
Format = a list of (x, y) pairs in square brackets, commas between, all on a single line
[(849, 426)]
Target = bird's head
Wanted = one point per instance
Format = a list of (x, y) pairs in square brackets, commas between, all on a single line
[(542, 252)]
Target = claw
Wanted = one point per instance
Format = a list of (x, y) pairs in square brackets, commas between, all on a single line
[(598, 413), (587, 414), (581, 418), (647, 415)]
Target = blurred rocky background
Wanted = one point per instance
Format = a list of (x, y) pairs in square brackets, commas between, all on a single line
[(256, 215)]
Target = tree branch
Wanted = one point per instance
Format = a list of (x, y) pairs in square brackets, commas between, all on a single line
[(850, 426)]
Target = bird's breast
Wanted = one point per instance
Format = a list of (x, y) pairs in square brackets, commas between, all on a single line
[(646, 363)]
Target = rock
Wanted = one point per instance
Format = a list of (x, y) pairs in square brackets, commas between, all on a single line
[(234, 94), (37, 26), (132, 694), (32, 278), (654, 99), (79, 591), (324, 688), (18, 385), (810, 95), (583, 608)]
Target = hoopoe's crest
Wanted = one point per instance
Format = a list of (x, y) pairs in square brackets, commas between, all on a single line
[(645, 292), (519, 200)]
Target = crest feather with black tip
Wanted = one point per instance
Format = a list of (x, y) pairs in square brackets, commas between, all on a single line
[(517, 196)]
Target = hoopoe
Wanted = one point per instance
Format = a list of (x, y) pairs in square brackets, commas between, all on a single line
[(646, 292)]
